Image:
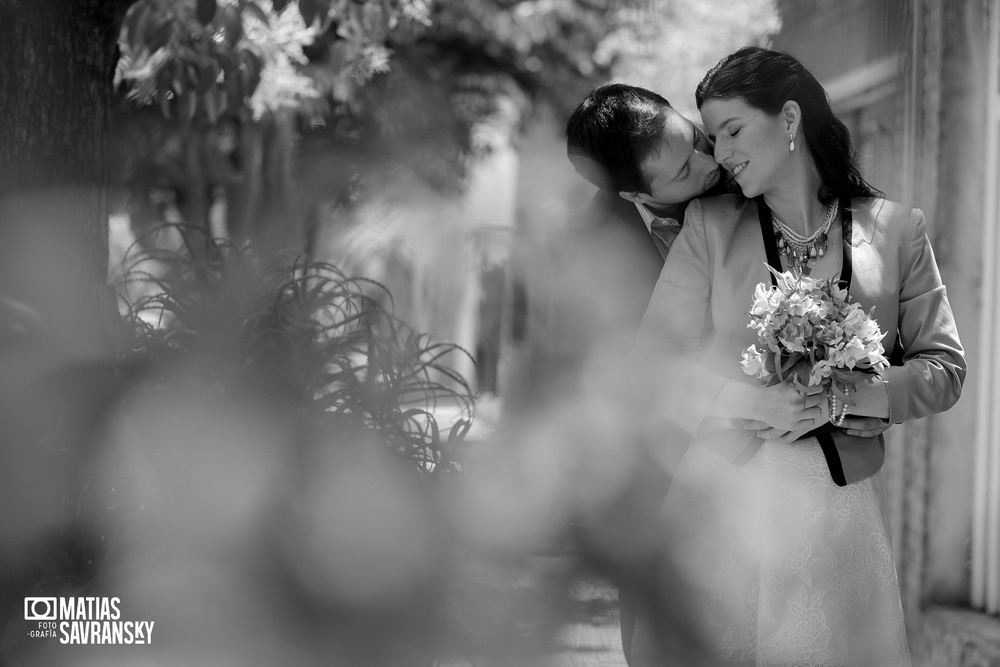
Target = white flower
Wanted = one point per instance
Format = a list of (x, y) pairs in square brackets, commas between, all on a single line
[(820, 371), (791, 337), (753, 363), (762, 303), (799, 304), (854, 320), (854, 352), (875, 355), (870, 331), (808, 318)]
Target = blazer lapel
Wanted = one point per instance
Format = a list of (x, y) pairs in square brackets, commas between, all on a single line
[(864, 212)]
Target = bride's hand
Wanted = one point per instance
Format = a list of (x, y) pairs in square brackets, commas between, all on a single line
[(787, 409), (767, 432), (864, 427)]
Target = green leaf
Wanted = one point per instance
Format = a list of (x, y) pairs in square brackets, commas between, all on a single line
[(232, 22), (165, 80), (136, 24), (234, 97), (221, 101), (192, 76), (205, 11), (310, 10), (158, 35), (207, 76), (208, 101), (459, 430), (188, 106)]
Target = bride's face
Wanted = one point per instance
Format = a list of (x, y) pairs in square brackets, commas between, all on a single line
[(749, 143)]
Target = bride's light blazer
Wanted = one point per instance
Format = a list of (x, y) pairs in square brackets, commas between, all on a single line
[(696, 321)]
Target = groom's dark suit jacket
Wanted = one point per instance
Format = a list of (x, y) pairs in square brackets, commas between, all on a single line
[(588, 285), (607, 265), (610, 230)]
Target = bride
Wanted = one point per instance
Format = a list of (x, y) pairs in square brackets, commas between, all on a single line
[(782, 531)]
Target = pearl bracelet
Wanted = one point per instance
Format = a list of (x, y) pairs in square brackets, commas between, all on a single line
[(832, 401)]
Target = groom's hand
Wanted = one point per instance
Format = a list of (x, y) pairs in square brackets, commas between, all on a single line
[(765, 432), (864, 427)]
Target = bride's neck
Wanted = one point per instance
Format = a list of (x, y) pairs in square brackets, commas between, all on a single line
[(795, 201)]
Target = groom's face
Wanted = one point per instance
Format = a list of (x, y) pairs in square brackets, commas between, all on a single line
[(684, 167)]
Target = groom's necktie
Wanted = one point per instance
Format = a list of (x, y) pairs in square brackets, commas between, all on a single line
[(664, 232)]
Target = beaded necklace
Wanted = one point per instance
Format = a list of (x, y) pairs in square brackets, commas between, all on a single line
[(800, 251)]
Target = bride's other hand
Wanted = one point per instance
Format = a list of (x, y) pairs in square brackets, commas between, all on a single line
[(861, 427), (864, 427)]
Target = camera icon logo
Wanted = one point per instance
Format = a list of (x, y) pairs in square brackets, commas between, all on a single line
[(40, 609)]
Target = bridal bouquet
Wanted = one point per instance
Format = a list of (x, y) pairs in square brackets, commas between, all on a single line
[(808, 331)]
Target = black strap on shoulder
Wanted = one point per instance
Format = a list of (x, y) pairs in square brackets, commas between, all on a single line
[(846, 270), (767, 232)]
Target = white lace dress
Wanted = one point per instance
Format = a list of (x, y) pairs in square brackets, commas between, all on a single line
[(789, 568)]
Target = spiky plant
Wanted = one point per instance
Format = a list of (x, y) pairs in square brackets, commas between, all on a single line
[(299, 329)]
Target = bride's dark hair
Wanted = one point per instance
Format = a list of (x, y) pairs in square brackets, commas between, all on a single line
[(767, 79)]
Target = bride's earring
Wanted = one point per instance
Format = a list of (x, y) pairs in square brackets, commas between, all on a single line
[(791, 142)]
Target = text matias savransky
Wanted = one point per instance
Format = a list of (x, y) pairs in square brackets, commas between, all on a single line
[(84, 620)]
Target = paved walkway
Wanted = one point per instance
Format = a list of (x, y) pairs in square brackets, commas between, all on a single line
[(588, 637), (592, 639)]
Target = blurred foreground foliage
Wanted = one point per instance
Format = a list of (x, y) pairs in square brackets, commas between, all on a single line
[(300, 331), (251, 415), (256, 467)]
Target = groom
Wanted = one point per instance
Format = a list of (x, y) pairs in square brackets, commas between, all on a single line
[(647, 161)]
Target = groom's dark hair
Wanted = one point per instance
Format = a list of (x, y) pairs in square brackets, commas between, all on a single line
[(616, 128)]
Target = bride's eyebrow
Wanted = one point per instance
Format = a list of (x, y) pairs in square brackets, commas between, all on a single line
[(727, 121)]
